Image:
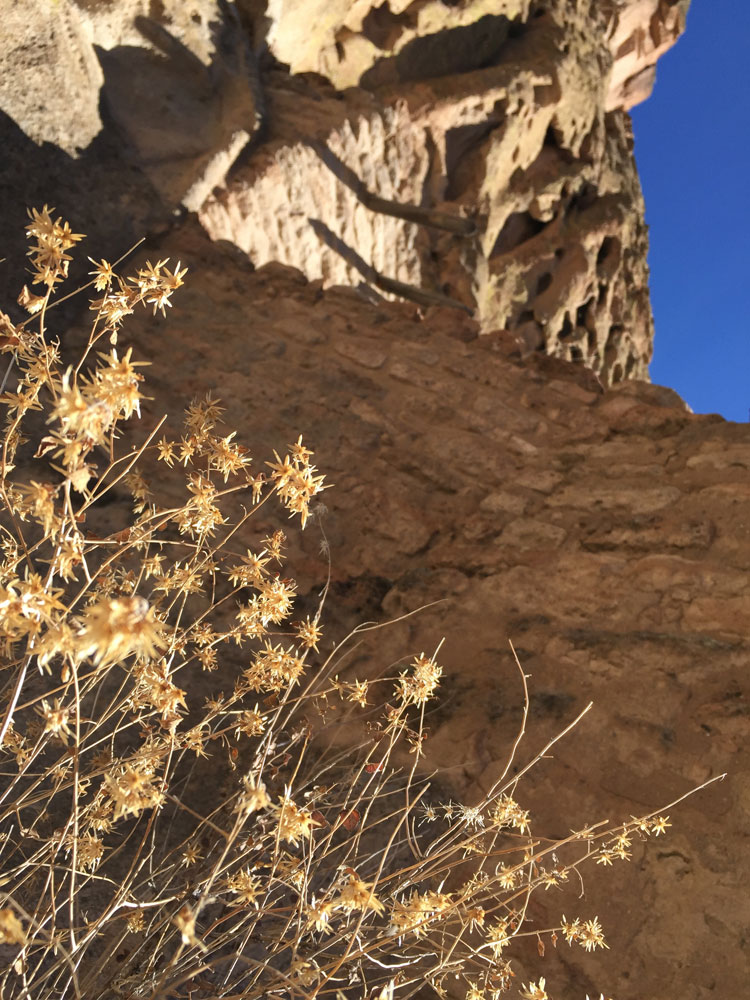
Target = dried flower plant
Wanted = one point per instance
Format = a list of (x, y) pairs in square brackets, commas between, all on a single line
[(153, 846)]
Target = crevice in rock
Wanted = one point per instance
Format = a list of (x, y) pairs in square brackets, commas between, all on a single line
[(383, 28), (443, 53), (608, 258), (519, 228), (460, 144)]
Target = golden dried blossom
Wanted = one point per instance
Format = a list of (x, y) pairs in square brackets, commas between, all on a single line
[(659, 825), (253, 796), (201, 515), (309, 633), (48, 258), (251, 571), (318, 914), (591, 935), (498, 937), (415, 915), (26, 605), (167, 451), (294, 822), (417, 687), (246, 886), (250, 723), (11, 928), (103, 274), (55, 719), (507, 812), (357, 895), (191, 855), (38, 499), (227, 457), (131, 791), (136, 922), (89, 851), (535, 991), (115, 628), (295, 481)]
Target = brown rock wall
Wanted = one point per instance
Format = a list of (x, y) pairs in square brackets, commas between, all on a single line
[(606, 533)]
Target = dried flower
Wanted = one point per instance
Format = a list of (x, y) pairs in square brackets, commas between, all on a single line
[(115, 628), (535, 991), (11, 928), (294, 822), (416, 688)]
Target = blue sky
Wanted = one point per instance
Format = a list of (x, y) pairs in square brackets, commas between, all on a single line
[(692, 146)]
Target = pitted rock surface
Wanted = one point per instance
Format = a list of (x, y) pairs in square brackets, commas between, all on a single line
[(472, 154)]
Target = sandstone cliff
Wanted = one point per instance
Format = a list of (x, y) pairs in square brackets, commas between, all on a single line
[(372, 174)]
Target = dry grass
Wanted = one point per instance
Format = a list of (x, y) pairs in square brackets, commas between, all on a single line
[(153, 846)]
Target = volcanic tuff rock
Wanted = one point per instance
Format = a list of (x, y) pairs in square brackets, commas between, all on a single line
[(477, 151), (508, 115)]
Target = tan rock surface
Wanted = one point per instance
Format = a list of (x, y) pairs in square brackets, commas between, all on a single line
[(607, 534), (470, 153), (343, 40), (503, 119), (171, 82)]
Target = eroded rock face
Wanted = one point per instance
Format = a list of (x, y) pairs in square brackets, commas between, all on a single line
[(172, 78), (477, 152), (118, 114), (605, 532), (509, 116), (344, 40)]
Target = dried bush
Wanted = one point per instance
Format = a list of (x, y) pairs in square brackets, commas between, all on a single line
[(153, 846)]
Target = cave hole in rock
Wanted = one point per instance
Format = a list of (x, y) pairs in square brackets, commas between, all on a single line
[(543, 283), (443, 53), (583, 199), (383, 28), (530, 330), (459, 143), (553, 142), (576, 354), (567, 328), (585, 315), (617, 373), (608, 256), (519, 228)]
